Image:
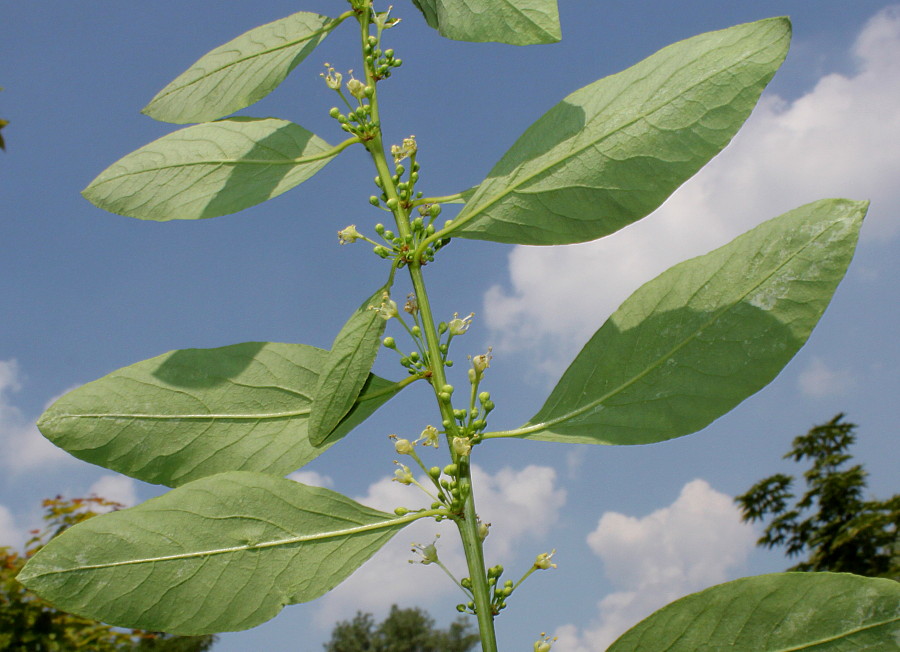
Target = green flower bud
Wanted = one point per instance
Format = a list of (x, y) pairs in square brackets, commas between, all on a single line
[(401, 511), (374, 201), (399, 170), (389, 54), (388, 235), (447, 388), (334, 112), (392, 203), (389, 343), (434, 472), (451, 470), (484, 397)]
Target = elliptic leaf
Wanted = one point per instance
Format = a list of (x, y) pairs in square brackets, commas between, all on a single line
[(211, 169), (776, 613), (613, 151), (517, 22), (196, 412), (346, 369), (242, 71), (704, 335), (223, 553)]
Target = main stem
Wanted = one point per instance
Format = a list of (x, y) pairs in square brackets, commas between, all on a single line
[(467, 522)]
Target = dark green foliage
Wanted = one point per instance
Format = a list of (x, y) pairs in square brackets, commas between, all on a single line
[(404, 630), (832, 522)]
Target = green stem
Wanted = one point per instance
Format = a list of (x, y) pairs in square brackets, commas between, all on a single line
[(467, 522)]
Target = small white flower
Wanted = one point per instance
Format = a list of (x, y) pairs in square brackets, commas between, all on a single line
[(388, 309), (348, 235), (459, 326), (407, 149), (544, 643), (429, 436), (542, 561), (332, 79), (462, 446), (428, 553), (403, 475)]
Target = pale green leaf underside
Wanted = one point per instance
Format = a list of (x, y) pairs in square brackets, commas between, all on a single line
[(516, 22), (240, 72), (222, 553), (613, 151), (210, 169), (196, 412), (697, 340), (782, 612), (346, 369)]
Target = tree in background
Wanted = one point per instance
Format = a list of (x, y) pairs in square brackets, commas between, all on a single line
[(28, 624), (404, 630), (841, 530)]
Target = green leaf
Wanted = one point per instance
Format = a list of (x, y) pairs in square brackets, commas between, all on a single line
[(346, 369), (516, 22), (697, 340), (776, 613), (613, 151), (242, 71), (211, 169), (196, 412), (222, 553)]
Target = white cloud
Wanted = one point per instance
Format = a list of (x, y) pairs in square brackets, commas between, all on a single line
[(27, 448), (118, 488), (521, 506), (696, 542), (312, 478), (10, 534), (818, 380), (836, 140)]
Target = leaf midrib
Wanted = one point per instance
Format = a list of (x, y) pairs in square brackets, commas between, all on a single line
[(546, 425), (462, 220), (333, 22), (303, 538)]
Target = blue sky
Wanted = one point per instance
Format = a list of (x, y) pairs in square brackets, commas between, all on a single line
[(84, 292)]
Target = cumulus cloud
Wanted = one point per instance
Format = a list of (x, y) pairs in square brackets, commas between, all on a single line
[(520, 504), (10, 534), (696, 542), (118, 488), (27, 448), (831, 142), (818, 380), (312, 478)]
